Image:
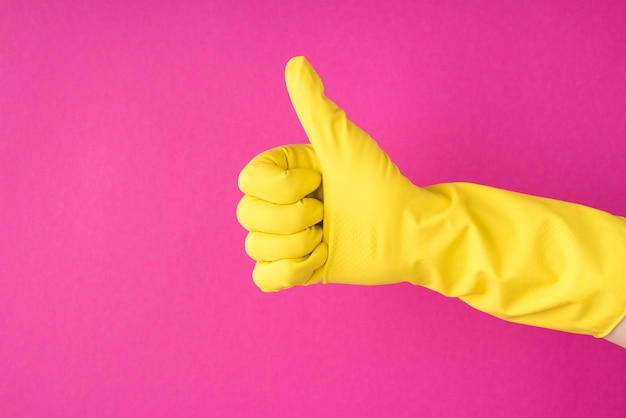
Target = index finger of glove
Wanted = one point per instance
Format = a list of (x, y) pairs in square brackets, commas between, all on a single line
[(281, 175)]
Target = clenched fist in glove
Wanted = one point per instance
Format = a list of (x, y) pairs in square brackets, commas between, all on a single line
[(340, 211)]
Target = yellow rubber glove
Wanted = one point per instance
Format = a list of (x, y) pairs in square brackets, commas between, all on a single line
[(522, 258)]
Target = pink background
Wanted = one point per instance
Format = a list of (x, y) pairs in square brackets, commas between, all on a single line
[(124, 286)]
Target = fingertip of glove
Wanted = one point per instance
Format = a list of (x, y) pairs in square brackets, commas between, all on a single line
[(300, 76), (243, 179), (283, 274), (295, 63), (240, 212)]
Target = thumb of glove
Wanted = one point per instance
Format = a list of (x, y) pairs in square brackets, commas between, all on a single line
[(334, 137), (342, 147)]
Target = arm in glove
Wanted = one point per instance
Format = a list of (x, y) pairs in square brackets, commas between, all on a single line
[(339, 211)]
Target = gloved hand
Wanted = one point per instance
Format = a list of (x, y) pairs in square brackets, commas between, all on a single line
[(339, 211)]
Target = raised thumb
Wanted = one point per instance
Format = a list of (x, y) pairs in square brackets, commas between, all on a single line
[(330, 132), (347, 154)]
